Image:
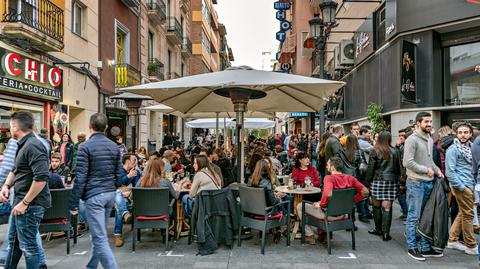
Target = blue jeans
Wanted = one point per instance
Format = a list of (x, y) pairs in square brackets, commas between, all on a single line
[(417, 195), (23, 238), (187, 203), (97, 211), (362, 207), (120, 210), (402, 200), (81, 212)]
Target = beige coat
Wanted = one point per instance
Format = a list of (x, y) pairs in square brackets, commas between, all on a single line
[(203, 180)]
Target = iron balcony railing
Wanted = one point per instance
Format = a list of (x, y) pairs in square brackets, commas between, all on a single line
[(41, 15), (172, 75), (157, 7), (175, 26), (126, 75), (187, 44), (156, 68)]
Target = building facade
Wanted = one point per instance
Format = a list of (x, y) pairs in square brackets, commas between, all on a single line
[(417, 57), (51, 64)]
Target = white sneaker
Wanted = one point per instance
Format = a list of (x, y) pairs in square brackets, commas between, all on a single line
[(471, 251), (456, 245)]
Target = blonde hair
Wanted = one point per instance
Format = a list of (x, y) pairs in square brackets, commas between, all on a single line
[(444, 131)]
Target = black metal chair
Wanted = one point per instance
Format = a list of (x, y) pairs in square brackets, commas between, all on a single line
[(57, 218), (341, 203), (255, 214), (151, 209)]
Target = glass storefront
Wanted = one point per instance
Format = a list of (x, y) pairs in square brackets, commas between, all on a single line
[(462, 74), (7, 107)]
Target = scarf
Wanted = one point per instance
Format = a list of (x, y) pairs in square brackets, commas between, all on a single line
[(465, 149)]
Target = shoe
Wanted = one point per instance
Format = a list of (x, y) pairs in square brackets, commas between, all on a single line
[(364, 219), (456, 245), (43, 266), (118, 241), (471, 251), (415, 254), (375, 232), (277, 236), (127, 218), (310, 240), (386, 237), (432, 254)]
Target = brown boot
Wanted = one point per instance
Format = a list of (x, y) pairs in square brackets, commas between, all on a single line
[(310, 240), (118, 241), (127, 218)]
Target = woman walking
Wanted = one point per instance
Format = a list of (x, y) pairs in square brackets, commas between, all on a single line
[(384, 174)]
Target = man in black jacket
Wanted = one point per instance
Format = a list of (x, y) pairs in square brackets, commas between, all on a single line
[(98, 168)]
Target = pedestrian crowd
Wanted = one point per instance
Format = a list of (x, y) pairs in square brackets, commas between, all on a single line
[(434, 181)]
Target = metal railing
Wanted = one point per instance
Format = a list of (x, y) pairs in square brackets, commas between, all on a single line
[(159, 7), (43, 16), (187, 44), (126, 75), (156, 68), (172, 75), (175, 26)]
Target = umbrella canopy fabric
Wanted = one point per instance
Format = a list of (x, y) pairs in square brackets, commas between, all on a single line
[(201, 115), (284, 92), (253, 123)]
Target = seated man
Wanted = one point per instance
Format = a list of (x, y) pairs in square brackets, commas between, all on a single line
[(129, 177), (60, 170), (336, 180)]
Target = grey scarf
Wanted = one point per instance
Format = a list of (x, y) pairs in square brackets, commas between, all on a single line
[(465, 149)]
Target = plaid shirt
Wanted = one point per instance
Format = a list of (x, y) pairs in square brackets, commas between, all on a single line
[(9, 160)]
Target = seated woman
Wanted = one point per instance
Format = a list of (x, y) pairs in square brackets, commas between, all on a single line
[(205, 179), (153, 178), (303, 171)]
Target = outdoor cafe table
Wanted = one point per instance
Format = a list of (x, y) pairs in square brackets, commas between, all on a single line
[(181, 224), (297, 199)]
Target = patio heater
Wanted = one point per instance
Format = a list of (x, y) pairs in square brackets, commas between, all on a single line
[(240, 98), (133, 102), (319, 29)]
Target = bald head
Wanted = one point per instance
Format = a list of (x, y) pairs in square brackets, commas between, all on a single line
[(169, 155)]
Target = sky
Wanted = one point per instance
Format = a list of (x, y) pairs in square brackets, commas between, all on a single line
[(251, 28)]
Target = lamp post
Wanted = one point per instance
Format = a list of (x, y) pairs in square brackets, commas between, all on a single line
[(319, 29), (133, 102)]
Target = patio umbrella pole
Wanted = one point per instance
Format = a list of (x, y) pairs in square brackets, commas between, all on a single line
[(239, 125), (216, 130)]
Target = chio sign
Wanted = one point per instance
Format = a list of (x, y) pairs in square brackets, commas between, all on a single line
[(32, 77), (474, 1)]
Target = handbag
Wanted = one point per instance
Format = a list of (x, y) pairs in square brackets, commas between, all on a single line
[(348, 168)]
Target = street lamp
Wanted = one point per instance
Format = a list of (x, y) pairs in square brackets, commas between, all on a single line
[(319, 29), (133, 102)]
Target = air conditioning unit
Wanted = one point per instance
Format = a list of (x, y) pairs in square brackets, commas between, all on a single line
[(336, 59), (346, 53)]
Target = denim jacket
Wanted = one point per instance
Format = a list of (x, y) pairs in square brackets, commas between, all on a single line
[(458, 170)]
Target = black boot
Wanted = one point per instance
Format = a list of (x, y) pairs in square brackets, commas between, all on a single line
[(377, 218), (386, 223)]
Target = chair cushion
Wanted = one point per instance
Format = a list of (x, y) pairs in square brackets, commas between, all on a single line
[(63, 221), (279, 215), (163, 217), (331, 219)]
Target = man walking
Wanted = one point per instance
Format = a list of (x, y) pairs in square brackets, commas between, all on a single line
[(98, 168), (332, 147), (458, 164), (29, 178), (417, 159)]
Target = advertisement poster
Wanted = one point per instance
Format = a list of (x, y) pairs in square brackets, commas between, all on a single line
[(408, 73), (59, 121)]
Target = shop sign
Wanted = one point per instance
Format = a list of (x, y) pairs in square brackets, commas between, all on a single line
[(115, 103), (286, 66), (390, 29), (281, 35), (24, 75), (285, 25), (279, 5), (298, 114), (408, 73), (361, 42), (280, 15)]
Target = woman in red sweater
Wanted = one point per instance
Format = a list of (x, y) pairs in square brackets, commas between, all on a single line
[(304, 170)]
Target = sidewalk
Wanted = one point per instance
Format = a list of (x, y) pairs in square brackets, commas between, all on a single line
[(371, 252)]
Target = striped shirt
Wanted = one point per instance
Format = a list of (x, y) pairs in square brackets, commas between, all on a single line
[(8, 160)]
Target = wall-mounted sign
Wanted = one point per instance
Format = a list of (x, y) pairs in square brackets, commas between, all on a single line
[(390, 29), (280, 15), (281, 36), (281, 5), (298, 114), (24, 75), (285, 25), (115, 103), (363, 40), (286, 66), (408, 73)]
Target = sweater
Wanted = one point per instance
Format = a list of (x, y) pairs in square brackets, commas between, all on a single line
[(418, 157), (299, 175), (203, 180)]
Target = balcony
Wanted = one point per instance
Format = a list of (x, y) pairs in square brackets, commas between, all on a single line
[(155, 70), (131, 3), (126, 75), (156, 12), (213, 62), (174, 31), (41, 24), (185, 6), (186, 47), (172, 75)]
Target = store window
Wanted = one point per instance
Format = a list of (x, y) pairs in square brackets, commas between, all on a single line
[(380, 27), (462, 74), (122, 46)]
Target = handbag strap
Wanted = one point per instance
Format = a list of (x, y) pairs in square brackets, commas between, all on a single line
[(211, 178)]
